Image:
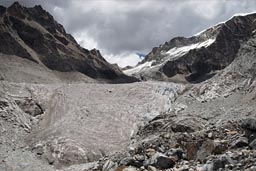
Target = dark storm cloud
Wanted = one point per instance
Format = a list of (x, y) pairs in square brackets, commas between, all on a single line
[(120, 28)]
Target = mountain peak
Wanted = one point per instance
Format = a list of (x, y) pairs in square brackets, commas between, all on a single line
[(16, 4), (39, 7), (16, 10), (200, 55), (33, 34)]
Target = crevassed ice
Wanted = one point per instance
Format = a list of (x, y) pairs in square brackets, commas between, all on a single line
[(139, 68), (183, 50)]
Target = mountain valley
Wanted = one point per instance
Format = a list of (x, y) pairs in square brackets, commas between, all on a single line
[(189, 105)]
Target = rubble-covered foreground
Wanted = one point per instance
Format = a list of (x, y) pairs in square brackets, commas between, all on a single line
[(60, 125), (139, 126), (212, 128)]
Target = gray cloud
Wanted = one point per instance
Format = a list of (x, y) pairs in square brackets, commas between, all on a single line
[(121, 28)]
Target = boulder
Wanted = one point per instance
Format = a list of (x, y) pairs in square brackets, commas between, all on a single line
[(130, 169), (151, 168), (177, 153), (253, 144), (220, 146), (249, 124), (210, 147), (191, 148), (161, 161), (240, 142), (109, 166), (217, 164), (150, 152), (136, 161), (183, 168), (30, 106), (126, 161), (83, 167), (139, 157), (205, 150)]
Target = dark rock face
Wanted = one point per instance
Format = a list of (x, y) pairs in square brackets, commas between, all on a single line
[(163, 162), (241, 142), (30, 107), (2, 10), (32, 33), (217, 164), (253, 144), (10, 46), (199, 61), (249, 124)]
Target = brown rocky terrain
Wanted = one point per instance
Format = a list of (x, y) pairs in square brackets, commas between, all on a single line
[(58, 112)]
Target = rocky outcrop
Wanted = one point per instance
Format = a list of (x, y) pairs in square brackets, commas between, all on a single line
[(32, 33), (197, 58), (195, 151)]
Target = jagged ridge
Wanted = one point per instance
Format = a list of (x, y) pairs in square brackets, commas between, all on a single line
[(197, 56), (32, 33)]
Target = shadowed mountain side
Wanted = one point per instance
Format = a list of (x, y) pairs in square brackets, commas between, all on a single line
[(32, 33), (196, 58)]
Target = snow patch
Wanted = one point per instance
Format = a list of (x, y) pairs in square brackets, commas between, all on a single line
[(139, 68), (174, 52), (242, 14)]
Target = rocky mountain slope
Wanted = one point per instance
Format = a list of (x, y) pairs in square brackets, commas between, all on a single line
[(196, 58), (211, 127), (68, 121), (33, 34)]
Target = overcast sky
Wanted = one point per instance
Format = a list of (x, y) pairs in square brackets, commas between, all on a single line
[(120, 29)]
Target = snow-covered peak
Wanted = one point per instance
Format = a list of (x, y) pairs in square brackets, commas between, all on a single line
[(170, 54), (242, 14), (222, 22)]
